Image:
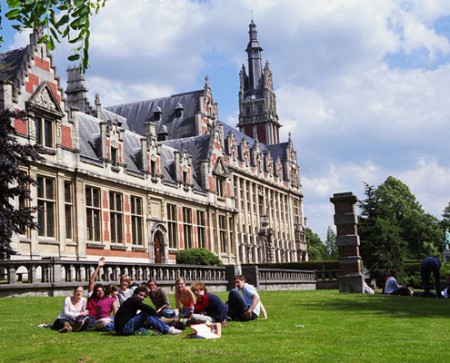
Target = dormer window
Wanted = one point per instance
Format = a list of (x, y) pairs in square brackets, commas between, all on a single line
[(157, 114), (179, 110), (114, 156), (220, 187), (185, 179), (45, 132), (162, 132), (153, 168)]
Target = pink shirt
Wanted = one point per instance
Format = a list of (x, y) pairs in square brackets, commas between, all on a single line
[(104, 307)]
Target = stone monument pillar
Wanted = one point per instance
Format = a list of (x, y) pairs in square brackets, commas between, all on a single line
[(350, 277)]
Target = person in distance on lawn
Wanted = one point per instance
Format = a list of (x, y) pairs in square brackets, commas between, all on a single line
[(446, 291), (74, 316), (428, 266), (392, 287), (245, 306), (208, 307), (160, 299), (127, 321)]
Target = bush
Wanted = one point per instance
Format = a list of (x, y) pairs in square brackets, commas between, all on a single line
[(198, 256)]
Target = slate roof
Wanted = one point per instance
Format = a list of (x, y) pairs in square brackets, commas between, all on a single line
[(138, 113), (107, 115), (198, 148), (89, 128), (278, 150), (10, 63), (240, 136)]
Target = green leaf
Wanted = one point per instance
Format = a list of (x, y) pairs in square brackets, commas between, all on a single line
[(13, 3), (13, 14), (54, 34), (73, 57), (65, 32), (79, 38), (51, 44), (44, 39), (64, 20)]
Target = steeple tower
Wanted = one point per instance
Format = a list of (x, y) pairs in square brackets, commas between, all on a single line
[(257, 105)]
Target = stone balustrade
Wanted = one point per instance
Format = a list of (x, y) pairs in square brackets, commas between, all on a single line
[(54, 277)]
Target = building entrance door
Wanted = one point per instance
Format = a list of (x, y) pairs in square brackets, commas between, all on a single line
[(159, 248)]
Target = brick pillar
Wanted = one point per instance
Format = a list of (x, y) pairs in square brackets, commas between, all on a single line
[(350, 278)]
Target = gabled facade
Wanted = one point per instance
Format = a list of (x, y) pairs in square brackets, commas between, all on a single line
[(141, 181)]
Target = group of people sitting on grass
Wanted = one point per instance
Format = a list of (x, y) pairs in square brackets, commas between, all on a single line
[(122, 308)]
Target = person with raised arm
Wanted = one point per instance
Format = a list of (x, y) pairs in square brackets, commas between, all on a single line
[(96, 291)]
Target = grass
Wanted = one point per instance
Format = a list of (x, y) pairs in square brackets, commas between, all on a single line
[(337, 328)]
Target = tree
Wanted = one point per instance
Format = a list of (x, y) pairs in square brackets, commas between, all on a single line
[(393, 227), (330, 242), (445, 223), (14, 182), (59, 19), (317, 251)]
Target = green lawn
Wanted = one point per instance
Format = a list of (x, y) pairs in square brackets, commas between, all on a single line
[(336, 328)]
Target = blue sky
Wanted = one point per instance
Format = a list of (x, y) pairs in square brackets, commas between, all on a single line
[(363, 86)]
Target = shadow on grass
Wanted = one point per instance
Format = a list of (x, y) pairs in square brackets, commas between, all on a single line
[(395, 306)]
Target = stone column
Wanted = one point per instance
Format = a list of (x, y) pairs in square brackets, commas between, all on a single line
[(350, 278)]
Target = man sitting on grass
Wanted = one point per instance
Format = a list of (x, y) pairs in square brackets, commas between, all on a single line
[(127, 322), (245, 306), (392, 287)]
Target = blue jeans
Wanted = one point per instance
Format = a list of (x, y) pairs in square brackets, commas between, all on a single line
[(186, 313), (107, 327), (427, 267), (168, 313), (237, 306), (146, 321)]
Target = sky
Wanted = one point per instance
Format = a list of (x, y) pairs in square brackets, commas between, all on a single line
[(362, 85)]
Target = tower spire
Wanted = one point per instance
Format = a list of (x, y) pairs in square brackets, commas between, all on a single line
[(254, 59), (257, 105)]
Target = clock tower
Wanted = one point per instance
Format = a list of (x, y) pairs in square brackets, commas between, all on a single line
[(257, 102)]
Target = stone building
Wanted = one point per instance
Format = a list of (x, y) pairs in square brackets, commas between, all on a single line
[(138, 182)]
